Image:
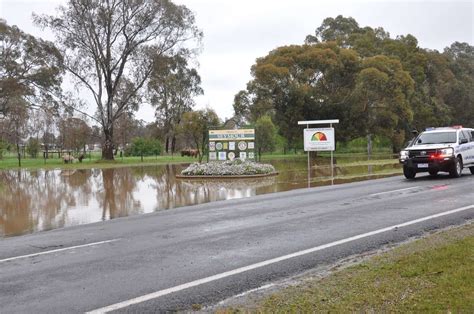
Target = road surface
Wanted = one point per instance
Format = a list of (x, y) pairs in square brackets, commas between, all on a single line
[(205, 253)]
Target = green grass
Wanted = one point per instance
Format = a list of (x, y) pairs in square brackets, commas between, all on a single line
[(303, 155), (10, 161), (94, 162), (431, 275)]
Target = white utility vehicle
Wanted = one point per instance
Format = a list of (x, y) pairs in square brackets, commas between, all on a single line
[(448, 149)]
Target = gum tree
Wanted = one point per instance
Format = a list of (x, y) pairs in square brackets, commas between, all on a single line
[(30, 69), (110, 47)]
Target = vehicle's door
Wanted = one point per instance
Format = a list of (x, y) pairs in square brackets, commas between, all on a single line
[(467, 149)]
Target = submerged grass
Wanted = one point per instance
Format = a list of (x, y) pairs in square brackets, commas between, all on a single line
[(433, 274)]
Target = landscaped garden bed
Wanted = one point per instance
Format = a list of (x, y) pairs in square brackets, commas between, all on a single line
[(232, 169)]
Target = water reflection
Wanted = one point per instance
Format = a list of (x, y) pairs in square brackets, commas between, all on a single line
[(32, 201)]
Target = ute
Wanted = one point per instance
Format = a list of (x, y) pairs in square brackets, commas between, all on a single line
[(447, 149)]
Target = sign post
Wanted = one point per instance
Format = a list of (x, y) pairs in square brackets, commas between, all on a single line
[(319, 139)]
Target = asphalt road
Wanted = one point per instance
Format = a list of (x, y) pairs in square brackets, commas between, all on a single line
[(205, 253)]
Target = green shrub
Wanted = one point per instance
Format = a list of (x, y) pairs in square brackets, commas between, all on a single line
[(3, 148), (33, 147), (144, 147)]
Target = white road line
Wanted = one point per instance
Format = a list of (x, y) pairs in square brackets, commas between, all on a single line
[(400, 190), (55, 251), (198, 282)]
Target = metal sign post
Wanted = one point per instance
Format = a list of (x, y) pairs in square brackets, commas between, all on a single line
[(322, 139)]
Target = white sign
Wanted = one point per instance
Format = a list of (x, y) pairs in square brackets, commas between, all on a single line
[(321, 139), (222, 156)]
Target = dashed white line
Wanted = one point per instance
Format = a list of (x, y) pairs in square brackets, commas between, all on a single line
[(240, 270), (400, 190), (55, 251)]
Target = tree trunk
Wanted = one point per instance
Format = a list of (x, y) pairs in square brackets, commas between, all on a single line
[(108, 148), (19, 154), (173, 144)]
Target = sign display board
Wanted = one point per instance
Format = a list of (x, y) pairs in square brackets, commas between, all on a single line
[(320, 139), (232, 135), (230, 144)]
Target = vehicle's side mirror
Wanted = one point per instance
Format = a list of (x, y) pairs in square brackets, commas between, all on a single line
[(463, 141)]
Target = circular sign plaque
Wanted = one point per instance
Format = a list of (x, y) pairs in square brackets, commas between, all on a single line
[(219, 146), (242, 145), (231, 155)]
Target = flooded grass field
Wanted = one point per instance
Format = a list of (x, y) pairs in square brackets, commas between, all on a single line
[(32, 201)]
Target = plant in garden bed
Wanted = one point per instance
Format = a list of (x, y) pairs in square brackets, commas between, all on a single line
[(236, 167)]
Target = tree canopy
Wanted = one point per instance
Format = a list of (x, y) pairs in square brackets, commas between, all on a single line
[(111, 48), (372, 83), (30, 69)]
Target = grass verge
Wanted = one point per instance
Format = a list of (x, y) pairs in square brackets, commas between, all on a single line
[(434, 274)]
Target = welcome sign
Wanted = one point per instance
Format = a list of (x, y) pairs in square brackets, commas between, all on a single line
[(229, 135), (231, 144), (321, 139)]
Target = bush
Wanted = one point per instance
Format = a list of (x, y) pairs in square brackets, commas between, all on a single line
[(236, 167), (33, 147), (359, 145), (144, 147), (3, 148)]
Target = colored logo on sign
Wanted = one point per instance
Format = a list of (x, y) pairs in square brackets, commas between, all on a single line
[(319, 137)]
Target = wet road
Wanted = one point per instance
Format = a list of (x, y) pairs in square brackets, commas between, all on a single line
[(204, 253)]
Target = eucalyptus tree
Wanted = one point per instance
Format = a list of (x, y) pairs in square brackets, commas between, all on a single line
[(30, 68), (300, 83), (74, 134), (171, 89), (381, 99), (195, 126), (265, 135), (460, 98), (111, 47)]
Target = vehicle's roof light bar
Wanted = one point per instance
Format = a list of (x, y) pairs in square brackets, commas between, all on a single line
[(444, 128)]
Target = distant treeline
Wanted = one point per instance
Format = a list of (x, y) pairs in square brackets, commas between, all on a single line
[(374, 84)]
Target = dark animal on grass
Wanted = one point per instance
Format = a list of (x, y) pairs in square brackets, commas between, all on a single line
[(190, 152)]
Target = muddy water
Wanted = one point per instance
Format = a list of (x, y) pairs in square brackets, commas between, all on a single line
[(32, 201)]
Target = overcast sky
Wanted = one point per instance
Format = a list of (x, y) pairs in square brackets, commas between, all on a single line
[(237, 32)]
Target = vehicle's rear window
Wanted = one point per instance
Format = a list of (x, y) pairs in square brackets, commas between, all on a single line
[(436, 138)]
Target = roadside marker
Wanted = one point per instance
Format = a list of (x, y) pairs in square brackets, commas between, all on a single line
[(55, 251), (160, 293)]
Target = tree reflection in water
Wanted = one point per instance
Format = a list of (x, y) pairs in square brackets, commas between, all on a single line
[(117, 199), (33, 201)]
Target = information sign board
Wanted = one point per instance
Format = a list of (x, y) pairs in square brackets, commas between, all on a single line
[(320, 139)]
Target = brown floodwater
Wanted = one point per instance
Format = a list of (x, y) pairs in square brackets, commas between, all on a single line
[(32, 201)]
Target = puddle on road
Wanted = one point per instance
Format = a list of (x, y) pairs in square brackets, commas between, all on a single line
[(32, 201)]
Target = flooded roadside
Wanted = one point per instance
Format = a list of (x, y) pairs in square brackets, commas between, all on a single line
[(32, 201)]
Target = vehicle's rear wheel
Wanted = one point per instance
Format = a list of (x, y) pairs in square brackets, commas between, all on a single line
[(433, 172), (456, 170), (409, 173), (472, 169)]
